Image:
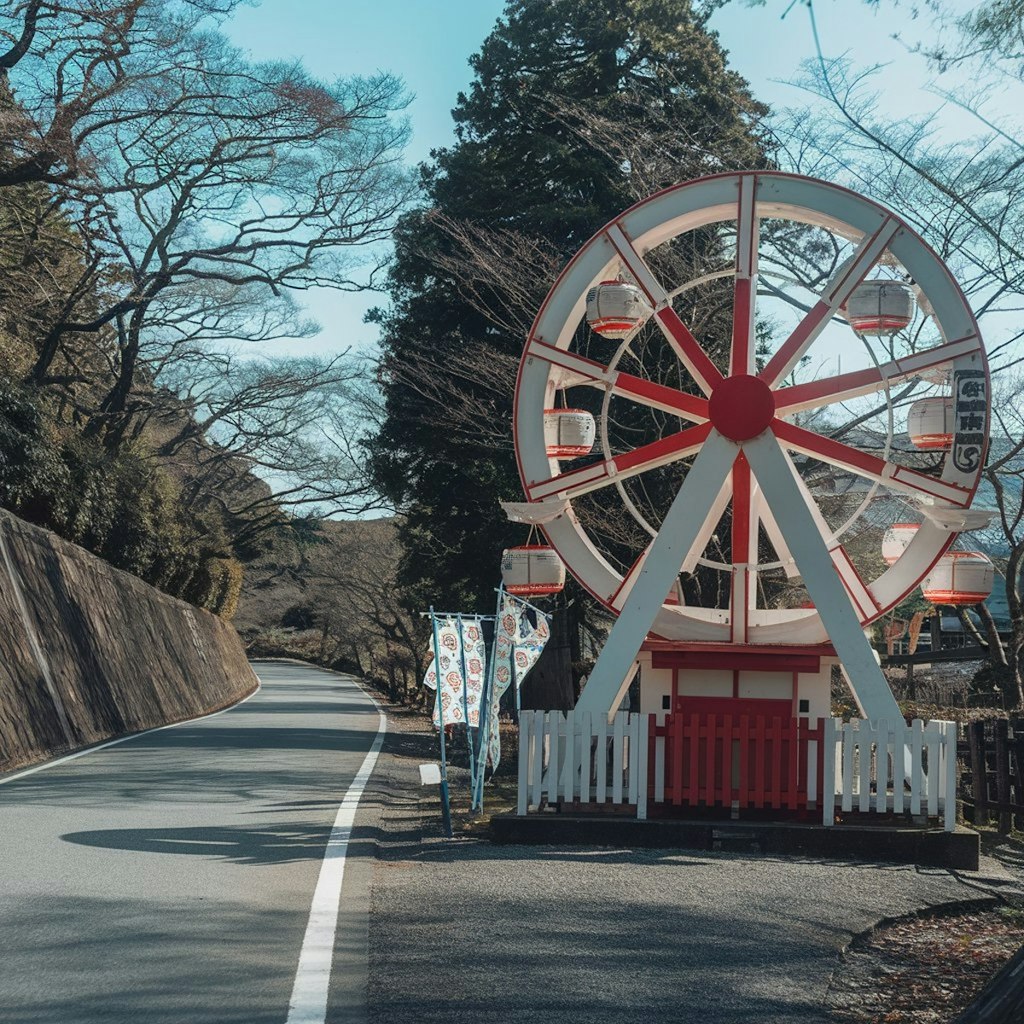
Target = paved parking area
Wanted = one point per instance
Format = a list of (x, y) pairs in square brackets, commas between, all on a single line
[(464, 930)]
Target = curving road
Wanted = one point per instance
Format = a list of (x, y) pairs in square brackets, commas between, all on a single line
[(170, 878)]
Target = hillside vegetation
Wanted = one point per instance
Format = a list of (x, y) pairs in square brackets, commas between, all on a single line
[(331, 596), (162, 200)]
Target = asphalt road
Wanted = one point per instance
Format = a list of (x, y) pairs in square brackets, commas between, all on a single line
[(169, 879)]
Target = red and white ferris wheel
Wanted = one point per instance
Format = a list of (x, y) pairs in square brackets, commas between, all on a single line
[(748, 440)]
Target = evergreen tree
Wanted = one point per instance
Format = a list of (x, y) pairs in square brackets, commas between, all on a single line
[(533, 168)]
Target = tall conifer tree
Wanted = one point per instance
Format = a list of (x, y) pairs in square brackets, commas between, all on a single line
[(530, 163)]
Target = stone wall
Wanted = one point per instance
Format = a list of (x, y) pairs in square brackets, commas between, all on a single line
[(88, 652)]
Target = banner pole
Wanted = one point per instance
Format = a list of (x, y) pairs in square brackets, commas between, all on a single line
[(446, 812)]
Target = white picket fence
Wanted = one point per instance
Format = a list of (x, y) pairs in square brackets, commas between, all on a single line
[(875, 766), (579, 756), (891, 767)]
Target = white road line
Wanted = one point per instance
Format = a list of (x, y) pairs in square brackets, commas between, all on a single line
[(313, 978), (126, 739)]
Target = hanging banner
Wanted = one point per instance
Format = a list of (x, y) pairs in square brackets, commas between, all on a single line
[(449, 661), (518, 644), (462, 656), (530, 642), (475, 661)]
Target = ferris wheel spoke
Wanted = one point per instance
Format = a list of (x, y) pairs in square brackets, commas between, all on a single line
[(580, 369), (589, 372), (637, 266), (844, 456), (744, 551), (834, 294), (688, 349), (845, 386), (600, 474), (678, 335), (658, 396), (741, 358)]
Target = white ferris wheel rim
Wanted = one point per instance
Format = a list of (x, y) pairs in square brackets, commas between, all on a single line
[(744, 197)]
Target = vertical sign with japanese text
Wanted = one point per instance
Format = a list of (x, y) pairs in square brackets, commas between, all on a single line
[(970, 412)]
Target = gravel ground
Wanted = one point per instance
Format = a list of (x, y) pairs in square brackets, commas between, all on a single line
[(463, 930)]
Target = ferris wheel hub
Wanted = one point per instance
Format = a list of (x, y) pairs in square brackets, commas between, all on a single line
[(741, 407)]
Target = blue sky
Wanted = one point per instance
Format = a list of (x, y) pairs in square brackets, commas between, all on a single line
[(429, 45)]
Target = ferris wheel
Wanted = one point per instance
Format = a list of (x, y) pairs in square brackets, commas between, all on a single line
[(760, 437)]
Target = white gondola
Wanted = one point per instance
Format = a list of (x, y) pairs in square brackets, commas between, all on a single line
[(930, 423), (880, 307), (959, 578), (532, 570), (896, 539), (569, 433), (614, 308)]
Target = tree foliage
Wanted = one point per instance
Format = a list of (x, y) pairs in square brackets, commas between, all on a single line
[(163, 199), (547, 150)]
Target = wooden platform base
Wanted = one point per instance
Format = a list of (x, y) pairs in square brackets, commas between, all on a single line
[(892, 844)]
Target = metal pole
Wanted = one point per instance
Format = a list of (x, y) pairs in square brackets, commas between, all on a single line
[(451, 615), (446, 812)]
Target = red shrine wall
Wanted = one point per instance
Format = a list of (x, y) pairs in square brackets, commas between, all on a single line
[(663, 688)]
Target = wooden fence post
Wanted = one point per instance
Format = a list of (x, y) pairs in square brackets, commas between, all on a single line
[(828, 781), (1018, 761), (949, 778), (524, 764), (1002, 729), (979, 772), (643, 756)]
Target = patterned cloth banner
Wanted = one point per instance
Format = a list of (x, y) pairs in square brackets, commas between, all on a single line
[(530, 642), (458, 648), (475, 657), (517, 646)]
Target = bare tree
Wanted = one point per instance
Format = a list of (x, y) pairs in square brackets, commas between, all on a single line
[(964, 195), (71, 67), (163, 201), (353, 588), (266, 180)]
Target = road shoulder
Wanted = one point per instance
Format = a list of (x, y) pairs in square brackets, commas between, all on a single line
[(461, 928)]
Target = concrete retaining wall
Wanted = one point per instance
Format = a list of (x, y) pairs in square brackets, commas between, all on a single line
[(88, 652)]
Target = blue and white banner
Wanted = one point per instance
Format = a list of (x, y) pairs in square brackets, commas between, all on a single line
[(521, 635), (462, 656)]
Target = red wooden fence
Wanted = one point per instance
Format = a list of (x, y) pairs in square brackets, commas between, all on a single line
[(719, 760)]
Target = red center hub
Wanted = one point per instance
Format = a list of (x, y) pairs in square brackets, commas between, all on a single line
[(741, 407)]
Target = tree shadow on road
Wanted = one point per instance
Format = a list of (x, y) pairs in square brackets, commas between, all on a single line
[(271, 844)]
